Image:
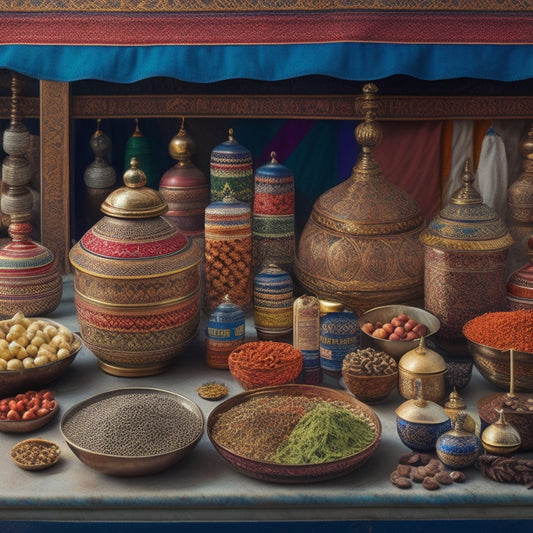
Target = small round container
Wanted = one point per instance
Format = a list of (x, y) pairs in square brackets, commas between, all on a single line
[(500, 438), (420, 422), (454, 407), (520, 284), (225, 331), (427, 366), (458, 448)]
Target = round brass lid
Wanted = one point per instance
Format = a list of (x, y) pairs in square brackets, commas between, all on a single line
[(467, 223), (421, 411), (134, 200), (329, 306), (422, 360)]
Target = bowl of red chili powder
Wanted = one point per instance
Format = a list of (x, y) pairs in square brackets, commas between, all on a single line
[(493, 337)]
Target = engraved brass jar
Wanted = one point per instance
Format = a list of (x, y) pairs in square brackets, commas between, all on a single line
[(465, 250), (360, 245), (136, 283)]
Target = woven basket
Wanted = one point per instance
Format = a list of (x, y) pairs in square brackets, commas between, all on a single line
[(370, 389), (253, 370)]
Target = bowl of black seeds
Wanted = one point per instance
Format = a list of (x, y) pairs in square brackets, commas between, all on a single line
[(132, 431)]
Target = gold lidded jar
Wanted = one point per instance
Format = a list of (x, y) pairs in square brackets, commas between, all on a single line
[(137, 288), (360, 244), (465, 250), (426, 366), (500, 438), (454, 407)]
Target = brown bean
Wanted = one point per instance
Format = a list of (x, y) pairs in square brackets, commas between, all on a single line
[(430, 483), (444, 477), (458, 476)]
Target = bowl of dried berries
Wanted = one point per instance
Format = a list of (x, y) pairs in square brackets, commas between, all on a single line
[(27, 412), (34, 352), (370, 374), (294, 433), (132, 431), (396, 329), (265, 363)]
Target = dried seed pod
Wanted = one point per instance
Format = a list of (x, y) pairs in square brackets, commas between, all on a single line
[(403, 483), (458, 476), (404, 470), (430, 483), (419, 474), (444, 477)]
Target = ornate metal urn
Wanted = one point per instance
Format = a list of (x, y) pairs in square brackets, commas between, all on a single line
[(137, 286), (360, 245)]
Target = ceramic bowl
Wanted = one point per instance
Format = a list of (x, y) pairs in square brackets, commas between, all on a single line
[(421, 436), (74, 431), (14, 381), (294, 473), (25, 426), (386, 313), (494, 365)]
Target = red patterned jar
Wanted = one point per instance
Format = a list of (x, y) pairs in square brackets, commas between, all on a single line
[(520, 284), (136, 283), (465, 247)]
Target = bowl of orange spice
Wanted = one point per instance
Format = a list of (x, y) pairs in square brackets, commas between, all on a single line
[(264, 363), (501, 343)]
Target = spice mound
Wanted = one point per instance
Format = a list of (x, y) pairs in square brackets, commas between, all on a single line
[(35, 454), (133, 425), (502, 330), (369, 362), (293, 429), (212, 391), (263, 363)]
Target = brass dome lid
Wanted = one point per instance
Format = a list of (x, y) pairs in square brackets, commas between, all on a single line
[(182, 146), (421, 411), (422, 360), (134, 200), (367, 203), (467, 223)]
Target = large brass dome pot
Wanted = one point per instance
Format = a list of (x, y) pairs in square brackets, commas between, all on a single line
[(360, 245)]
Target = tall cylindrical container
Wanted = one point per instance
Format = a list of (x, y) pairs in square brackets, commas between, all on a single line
[(273, 299), (225, 332), (306, 337), (228, 253), (273, 216), (465, 251), (340, 334), (231, 172)]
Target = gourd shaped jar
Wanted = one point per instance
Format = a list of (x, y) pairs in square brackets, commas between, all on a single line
[(458, 448), (273, 299), (500, 438), (520, 284), (426, 366), (455, 406), (231, 172), (185, 188), (520, 206), (273, 216), (360, 244), (30, 280), (465, 249), (225, 332), (420, 422), (136, 283)]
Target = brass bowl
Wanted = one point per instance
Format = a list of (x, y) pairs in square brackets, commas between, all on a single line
[(25, 426), (386, 313), (370, 389), (14, 381), (130, 464), (295, 473), (494, 365)]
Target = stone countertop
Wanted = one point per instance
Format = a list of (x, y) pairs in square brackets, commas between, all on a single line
[(203, 487)]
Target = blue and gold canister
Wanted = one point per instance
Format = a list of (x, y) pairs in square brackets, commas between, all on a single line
[(231, 172), (225, 332), (273, 216), (273, 299), (339, 334)]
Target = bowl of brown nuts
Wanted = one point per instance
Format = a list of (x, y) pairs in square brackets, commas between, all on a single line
[(396, 329), (34, 352), (370, 374)]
